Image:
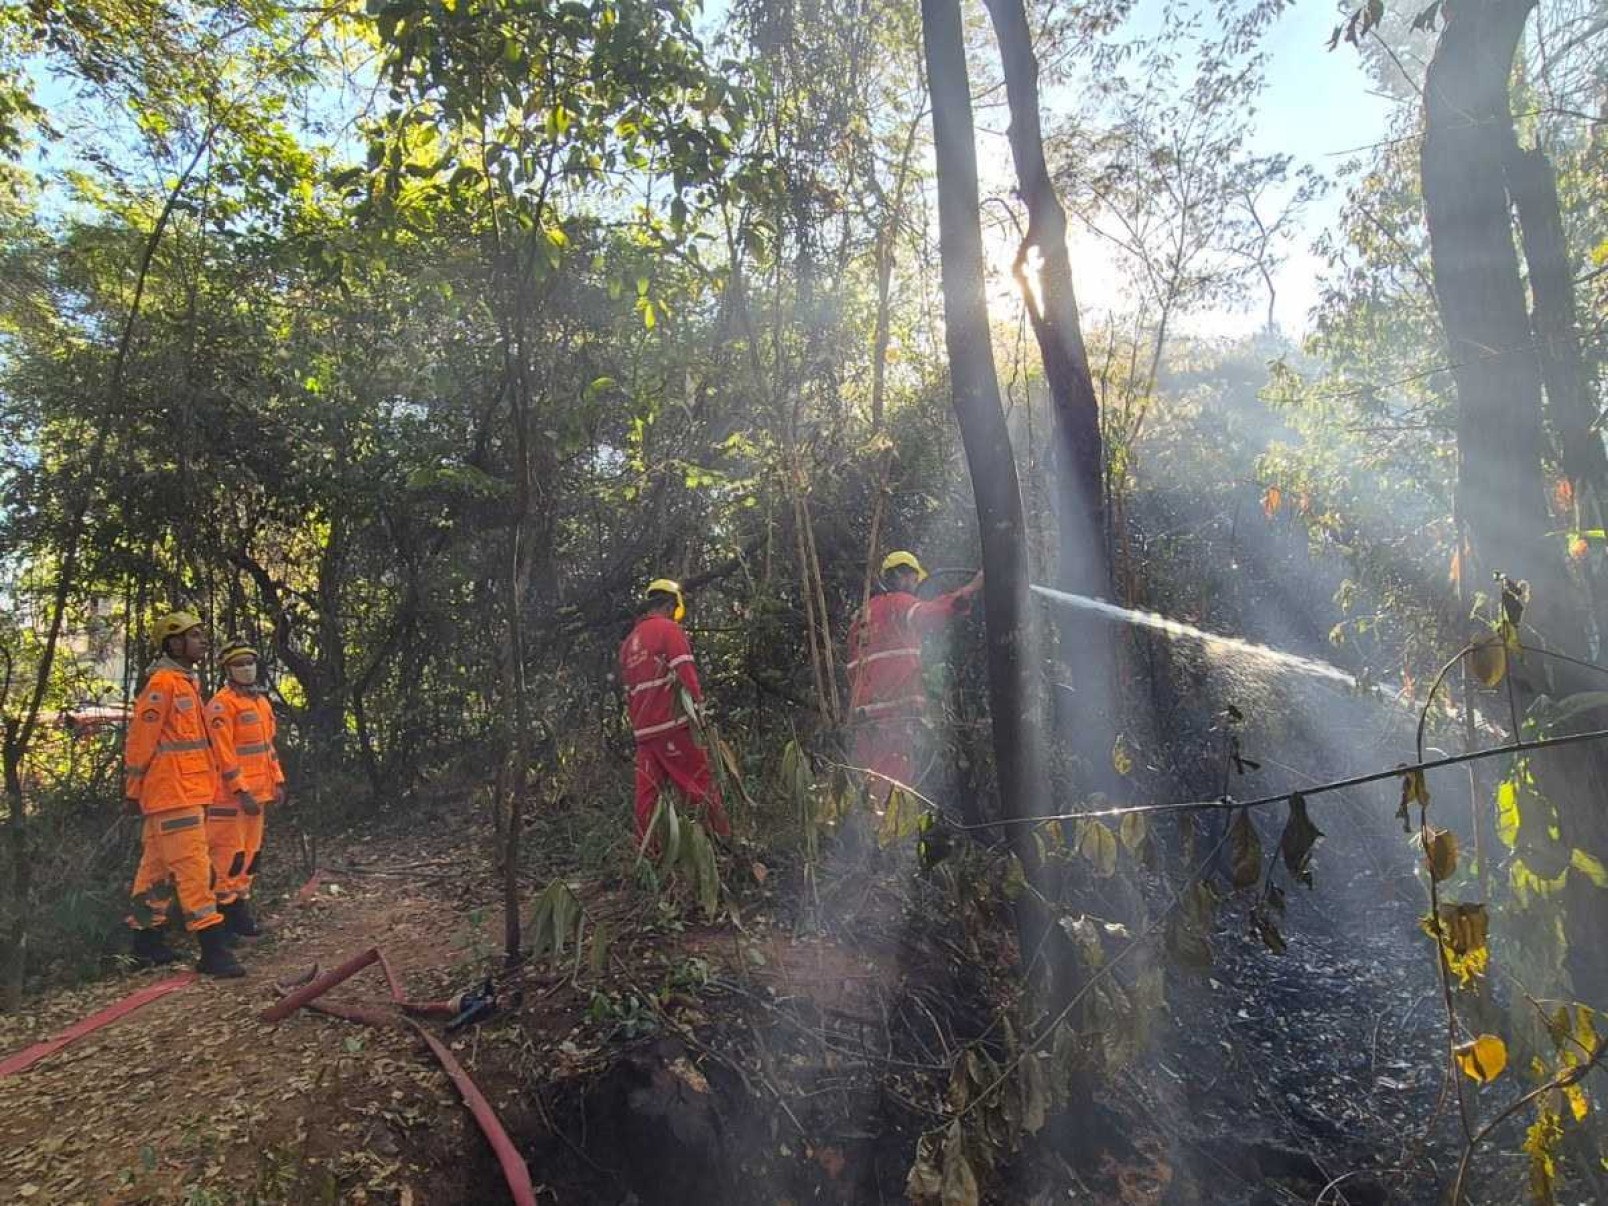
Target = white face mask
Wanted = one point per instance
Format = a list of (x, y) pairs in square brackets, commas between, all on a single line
[(244, 673)]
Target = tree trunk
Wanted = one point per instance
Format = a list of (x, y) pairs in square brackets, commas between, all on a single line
[(1467, 122), (1501, 495), (1079, 459), (983, 430), (1086, 720), (1569, 409), (15, 947)]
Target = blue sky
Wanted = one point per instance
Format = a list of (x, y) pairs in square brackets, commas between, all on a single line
[(1318, 106)]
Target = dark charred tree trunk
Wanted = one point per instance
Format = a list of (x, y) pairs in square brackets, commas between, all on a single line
[(1501, 494), (1554, 322), (1053, 311), (1467, 123), (983, 430), (1086, 718)]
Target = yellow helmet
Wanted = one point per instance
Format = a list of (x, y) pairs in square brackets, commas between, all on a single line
[(901, 559), (234, 649), (666, 586), (173, 624)]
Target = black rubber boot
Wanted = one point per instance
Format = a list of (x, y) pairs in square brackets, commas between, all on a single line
[(215, 957), (237, 916), (151, 949)]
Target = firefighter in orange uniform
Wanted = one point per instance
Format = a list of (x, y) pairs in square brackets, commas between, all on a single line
[(655, 669), (170, 777), (887, 697), (241, 722)]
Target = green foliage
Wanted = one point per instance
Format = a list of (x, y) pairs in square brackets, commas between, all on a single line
[(558, 922), (680, 847)]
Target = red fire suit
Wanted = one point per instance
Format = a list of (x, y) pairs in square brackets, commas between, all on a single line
[(655, 666), (887, 698)]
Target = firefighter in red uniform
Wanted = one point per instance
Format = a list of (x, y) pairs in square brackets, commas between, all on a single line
[(887, 698), (664, 701)]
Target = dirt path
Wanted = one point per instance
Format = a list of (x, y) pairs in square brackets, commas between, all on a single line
[(765, 1062), (193, 1091)]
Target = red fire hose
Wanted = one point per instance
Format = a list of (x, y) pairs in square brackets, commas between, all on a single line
[(21, 1061), (508, 1157)]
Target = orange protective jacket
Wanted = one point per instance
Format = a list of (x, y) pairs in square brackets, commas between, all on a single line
[(655, 663), (885, 652), (168, 762), (243, 731)]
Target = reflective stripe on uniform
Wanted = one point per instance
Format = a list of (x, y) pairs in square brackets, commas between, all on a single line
[(206, 910), (133, 772), (256, 747), (181, 747), (651, 730), (232, 774), (221, 811), (908, 651), (889, 705), (177, 823), (676, 661), (651, 683)]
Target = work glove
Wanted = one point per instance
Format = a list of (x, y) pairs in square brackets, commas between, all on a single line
[(279, 796), (131, 807), (248, 803)]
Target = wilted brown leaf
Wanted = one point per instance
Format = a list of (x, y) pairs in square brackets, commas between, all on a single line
[(1295, 844), (1440, 853), (1245, 850)]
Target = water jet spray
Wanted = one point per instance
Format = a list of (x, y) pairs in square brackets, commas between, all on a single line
[(1214, 643)]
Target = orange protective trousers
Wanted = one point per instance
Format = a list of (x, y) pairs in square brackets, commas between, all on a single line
[(174, 858), (234, 841)]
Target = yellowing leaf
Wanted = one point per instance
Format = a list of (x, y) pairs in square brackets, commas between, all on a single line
[(1541, 1144), (900, 819), (1133, 830), (1462, 934), (1507, 812), (1585, 1026), (1098, 845), (1482, 1059), (1121, 760), (1588, 866), (1440, 852), (1487, 660), (1579, 1103)]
